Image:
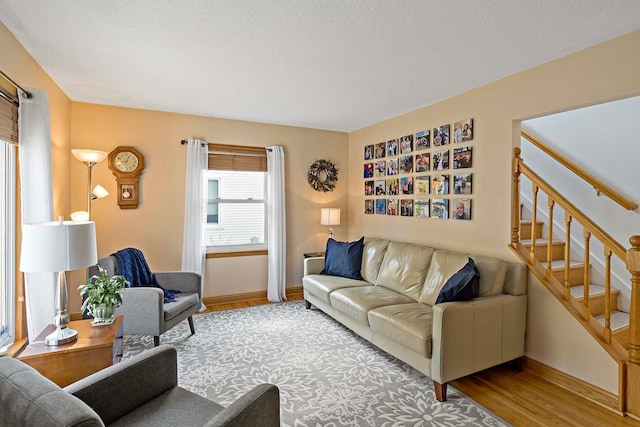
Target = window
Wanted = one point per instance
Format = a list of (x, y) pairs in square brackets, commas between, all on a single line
[(236, 204), (8, 138)]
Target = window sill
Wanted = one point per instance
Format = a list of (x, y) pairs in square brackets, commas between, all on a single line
[(229, 254), (16, 348)]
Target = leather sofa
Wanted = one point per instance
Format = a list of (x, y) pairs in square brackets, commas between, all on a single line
[(393, 308)]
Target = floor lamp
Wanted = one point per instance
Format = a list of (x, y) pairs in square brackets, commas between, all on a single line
[(90, 158), (58, 247), (330, 217)]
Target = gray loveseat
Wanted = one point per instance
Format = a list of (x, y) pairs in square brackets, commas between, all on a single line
[(142, 390), (394, 308)]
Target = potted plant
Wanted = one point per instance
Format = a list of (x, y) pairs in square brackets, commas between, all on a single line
[(102, 296)]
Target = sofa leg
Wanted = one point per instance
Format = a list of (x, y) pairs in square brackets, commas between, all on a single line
[(193, 328), (516, 365), (156, 340), (441, 391), (307, 304)]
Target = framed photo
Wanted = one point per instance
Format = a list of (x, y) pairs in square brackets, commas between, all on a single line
[(392, 148), (463, 131), (441, 135), (381, 150), (392, 207), (462, 209), (368, 188), (440, 208), (422, 162), (423, 183), (368, 170), (380, 168), (462, 183), (462, 157), (392, 167), (381, 187), (422, 208), (381, 206), (441, 160), (423, 140), (368, 152), (406, 144), (440, 184), (406, 185), (393, 186), (406, 207), (369, 206), (406, 164)]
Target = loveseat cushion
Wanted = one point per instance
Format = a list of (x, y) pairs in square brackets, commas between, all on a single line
[(343, 259), (321, 285), (184, 301), (357, 302), (407, 324), (372, 255), (444, 264), (404, 268)]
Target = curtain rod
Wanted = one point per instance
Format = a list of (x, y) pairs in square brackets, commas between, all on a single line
[(184, 141), (25, 93)]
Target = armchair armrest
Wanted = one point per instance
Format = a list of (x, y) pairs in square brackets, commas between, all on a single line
[(119, 389), (474, 335), (183, 281), (313, 265), (259, 406), (142, 309)]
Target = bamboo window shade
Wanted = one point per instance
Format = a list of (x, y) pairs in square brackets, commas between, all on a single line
[(237, 158), (8, 113)]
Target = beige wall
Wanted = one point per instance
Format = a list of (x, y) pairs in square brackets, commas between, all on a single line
[(604, 72), (156, 226)]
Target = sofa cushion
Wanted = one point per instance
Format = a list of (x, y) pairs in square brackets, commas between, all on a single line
[(372, 254), (184, 301), (462, 286), (343, 259), (444, 264), (321, 285), (407, 324), (404, 268), (492, 275), (357, 302)]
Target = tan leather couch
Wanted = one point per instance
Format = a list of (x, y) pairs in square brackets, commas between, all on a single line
[(393, 308)]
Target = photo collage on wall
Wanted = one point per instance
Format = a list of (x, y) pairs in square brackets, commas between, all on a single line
[(426, 174)]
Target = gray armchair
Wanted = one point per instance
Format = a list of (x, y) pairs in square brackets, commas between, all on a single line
[(142, 390), (144, 310)]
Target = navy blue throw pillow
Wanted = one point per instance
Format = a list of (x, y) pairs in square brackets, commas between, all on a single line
[(343, 259), (462, 286)]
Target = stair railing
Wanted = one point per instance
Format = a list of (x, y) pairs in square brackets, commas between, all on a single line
[(629, 361)]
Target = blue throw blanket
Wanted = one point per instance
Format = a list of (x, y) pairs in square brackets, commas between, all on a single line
[(135, 269)]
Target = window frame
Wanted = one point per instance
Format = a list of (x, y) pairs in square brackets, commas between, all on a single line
[(8, 246)]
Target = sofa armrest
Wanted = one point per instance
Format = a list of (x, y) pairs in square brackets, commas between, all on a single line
[(142, 309), (474, 335), (183, 281), (259, 406), (117, 390), (313, 265)]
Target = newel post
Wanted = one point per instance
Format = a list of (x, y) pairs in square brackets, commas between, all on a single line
[(515, 199), (633, 265)]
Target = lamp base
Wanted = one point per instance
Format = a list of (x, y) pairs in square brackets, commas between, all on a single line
[(61, 336)]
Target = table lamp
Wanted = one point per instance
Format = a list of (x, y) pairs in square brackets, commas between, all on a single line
[(58, 247), (330, 217)]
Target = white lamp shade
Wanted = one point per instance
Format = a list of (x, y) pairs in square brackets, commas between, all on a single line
[(58, 246), (80, 216), (330, 216), (99, 192), (94, 156)]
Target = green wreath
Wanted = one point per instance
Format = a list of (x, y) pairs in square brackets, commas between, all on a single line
[(323, 175)]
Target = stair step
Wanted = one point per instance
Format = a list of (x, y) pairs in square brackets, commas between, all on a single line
[(597, 298), (526, 225), (576, 272), (540, 250), (622, 336), (619, 319)]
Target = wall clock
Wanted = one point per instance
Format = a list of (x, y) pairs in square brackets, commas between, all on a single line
[(126, 164)]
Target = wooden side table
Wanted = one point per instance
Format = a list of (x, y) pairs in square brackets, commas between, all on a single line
[(313, 254), (96, 348)]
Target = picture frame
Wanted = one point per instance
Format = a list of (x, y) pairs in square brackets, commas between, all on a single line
[(406, 207), (422, 184), (461, 209), (368, 170), (421, 208), (380, 167), (393, 186), (440, 185), (380, 187), (392, 148), (381, 206), (462, 183), (422, 162), (368, 152), (368, 188), (392, 167), (392, 207), (380, 150), (423, 140), (406, 144), (440, 160), (440, 208), (406, 185), (441, 135), (369, 206), (406, 164), (463, 131), (463, 158)]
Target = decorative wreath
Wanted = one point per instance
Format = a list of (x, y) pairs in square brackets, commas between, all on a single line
[(323, 175)]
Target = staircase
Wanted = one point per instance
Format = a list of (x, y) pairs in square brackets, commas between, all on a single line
[(567, 274)]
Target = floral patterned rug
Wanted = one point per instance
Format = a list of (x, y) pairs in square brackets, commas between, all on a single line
[(327, 375)]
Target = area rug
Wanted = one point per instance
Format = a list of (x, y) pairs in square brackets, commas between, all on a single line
[(327, 375)]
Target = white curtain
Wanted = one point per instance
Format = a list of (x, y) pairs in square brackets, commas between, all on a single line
[(194, 249), (36, 193), (277, 226)]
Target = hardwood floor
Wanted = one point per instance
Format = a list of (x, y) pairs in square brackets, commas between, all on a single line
[(520, 398)]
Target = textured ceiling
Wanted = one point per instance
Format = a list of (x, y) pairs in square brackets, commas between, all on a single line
[(327, 64)]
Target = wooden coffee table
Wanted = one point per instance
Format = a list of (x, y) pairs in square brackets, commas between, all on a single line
[(96, 348)]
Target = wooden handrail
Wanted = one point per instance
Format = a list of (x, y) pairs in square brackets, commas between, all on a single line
[(598, 185)]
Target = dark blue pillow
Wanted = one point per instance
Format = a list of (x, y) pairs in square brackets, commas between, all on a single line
[(462, 286), (343, 259)]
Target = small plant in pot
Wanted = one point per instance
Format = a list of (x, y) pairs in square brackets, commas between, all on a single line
[(101, 296)]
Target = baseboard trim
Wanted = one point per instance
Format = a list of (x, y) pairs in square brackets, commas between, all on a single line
[(248, 296), (572, 384)]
